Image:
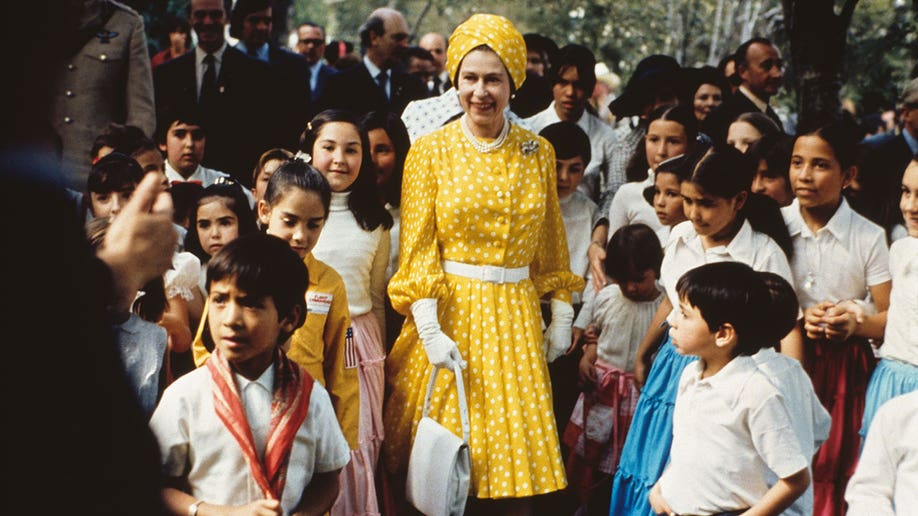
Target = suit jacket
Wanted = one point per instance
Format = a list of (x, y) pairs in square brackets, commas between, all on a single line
[(324, 73), (719, 120), (107, 80), (291, 76), (355, 90), (880, 176), (237, 126)]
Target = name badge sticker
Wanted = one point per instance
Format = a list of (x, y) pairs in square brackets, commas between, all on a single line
[(318, 302)]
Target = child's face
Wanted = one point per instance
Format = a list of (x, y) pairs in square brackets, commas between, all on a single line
[(337, 153), (665, 139), (741, 135), (642, 287), (570, 172), (244, 328), (774, 186), (109, 204), (383, 153), (217, 224), (297, 218), (667, 199), (815, 174), (711, 216), (261, 182), (909, 201), (690, 332), (184, 147)]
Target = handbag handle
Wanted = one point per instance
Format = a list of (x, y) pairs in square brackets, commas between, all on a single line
[(460, 388)]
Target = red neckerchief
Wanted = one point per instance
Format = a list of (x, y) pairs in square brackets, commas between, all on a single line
[(289, 406)]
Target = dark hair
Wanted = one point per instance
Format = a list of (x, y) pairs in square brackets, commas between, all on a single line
[(364, 201), (242, 9), (236, 201), (569, 140), (776, 150), (297, 173), (543, 45), (636, 169), (696, 77), (841, 135), (184, 200), (742, 51), (117, 136), (264, 266), (392, 124), (137, 145), (579, 57), (169, 116), (631, 250), (374, 24), (415, 51), (782, 310), (760, 121), (311, 24), (730, 293), (269, 155), (176, 23), (878, 196), (734, 79), (680, 166), (333, 51), (114, 171), (726, 172)]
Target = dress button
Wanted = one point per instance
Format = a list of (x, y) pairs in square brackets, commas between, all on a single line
[(103, 57), (500, 194), (69, 93), (68, 120), (71, 67)]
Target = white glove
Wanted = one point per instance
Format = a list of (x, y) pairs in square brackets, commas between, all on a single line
[(441, 350), (558, 339)]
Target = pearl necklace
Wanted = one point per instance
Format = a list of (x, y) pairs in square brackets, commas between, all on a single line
[(478, 144)]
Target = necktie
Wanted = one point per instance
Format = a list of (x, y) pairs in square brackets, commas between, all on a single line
[(209, 82), (436, 85), (381, 78)]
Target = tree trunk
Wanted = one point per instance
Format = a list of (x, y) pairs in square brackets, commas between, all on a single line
[(817, 40)]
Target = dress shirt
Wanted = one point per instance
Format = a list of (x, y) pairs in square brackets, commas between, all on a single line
[(601, 135), (374, 73), (261, 53)]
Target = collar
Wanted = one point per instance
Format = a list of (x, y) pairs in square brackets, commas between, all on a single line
[(727, 383), (315, 68), (174, 175), (266, 380), (261, 53), (339, 201), (759, 103), (740, 248), (199, 54), (310, 262), (372, 68), (912, 141), (839, 226)]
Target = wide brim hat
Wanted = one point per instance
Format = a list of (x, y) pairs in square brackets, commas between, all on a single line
[(649, 75)]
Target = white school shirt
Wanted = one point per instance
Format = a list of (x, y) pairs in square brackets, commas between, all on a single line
[(901, 339), (727, 430), (360, 257), (886, 479), (841, 260), (577, 211), (602, 137), (684, 252), (207, 177), (193, 439), (629, 206), (809, 419)]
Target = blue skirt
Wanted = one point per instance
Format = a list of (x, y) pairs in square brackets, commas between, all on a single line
[(650, 436), (891, 378)]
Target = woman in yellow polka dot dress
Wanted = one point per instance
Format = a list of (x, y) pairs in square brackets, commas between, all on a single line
[(482, 240)]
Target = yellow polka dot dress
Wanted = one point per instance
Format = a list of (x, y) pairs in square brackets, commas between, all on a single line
[(498, 208)]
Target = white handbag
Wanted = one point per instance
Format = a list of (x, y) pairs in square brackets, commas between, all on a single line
[(439, 467)]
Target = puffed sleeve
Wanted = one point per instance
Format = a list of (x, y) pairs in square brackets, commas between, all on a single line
[(420, 273), (550, 268)]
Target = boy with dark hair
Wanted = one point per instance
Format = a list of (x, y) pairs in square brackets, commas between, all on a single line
[(251, 428), (730, 426)]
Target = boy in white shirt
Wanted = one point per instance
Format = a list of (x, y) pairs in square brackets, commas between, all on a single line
[(730, 425), (250, 429)]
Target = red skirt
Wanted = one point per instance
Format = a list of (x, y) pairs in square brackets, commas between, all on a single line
[(840, 372)]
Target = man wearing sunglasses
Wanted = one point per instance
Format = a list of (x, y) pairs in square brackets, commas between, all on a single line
[(378, 82)]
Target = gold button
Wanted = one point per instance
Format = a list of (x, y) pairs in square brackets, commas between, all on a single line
[(68, 120), (71, 67), (69, 93), (103, 57)]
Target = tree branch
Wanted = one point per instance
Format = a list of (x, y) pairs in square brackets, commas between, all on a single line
[(847, 12)]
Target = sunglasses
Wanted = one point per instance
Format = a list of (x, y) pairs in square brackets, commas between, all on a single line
[(315, 41)]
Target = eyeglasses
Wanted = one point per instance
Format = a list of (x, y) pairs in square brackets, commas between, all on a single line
[(315, 42), (215, 14)]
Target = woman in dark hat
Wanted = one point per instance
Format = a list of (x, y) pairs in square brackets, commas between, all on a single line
[(705, 89)]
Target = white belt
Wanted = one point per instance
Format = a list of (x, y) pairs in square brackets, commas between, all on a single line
[(486, 273)]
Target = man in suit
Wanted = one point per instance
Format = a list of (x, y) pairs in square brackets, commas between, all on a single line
[(251, 24), (378, 82), (761, 72), (435, 43), (228, 90), (311, 45), (104, 78)]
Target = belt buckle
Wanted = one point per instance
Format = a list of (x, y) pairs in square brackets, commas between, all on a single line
[(492, 274)]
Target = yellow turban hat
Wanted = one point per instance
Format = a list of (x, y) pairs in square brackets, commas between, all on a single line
[(498, 34)]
